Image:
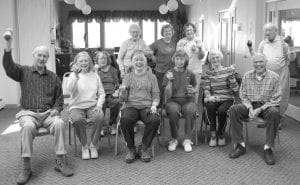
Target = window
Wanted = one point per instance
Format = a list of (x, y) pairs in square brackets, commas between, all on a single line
[(78, 34), (116, 33), (148, 32), (93, 34)]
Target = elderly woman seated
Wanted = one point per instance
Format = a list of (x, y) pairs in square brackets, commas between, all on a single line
[(220, 87), (87, 97), (140, 93), (180, 92), (110, 80)]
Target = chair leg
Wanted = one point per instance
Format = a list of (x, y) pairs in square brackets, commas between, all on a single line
[(116, 139), (70, 134), (75, 142), (196, 131), (153, 148), (246, 130)]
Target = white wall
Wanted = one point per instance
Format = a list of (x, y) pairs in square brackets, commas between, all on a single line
[(9, 88)]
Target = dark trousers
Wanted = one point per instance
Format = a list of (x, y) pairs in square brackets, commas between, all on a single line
[(159, 77), (221, 108), (239, 111), (114, 105), (129, 117)]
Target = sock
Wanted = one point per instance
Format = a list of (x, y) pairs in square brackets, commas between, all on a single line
[(243, 144), (91, 145), (266, 147), (26, 163)]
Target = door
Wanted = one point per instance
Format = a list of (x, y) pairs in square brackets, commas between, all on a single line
[(227, 36)]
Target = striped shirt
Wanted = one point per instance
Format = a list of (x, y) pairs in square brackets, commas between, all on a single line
[(220, 83), (38, 91), (267, 90)]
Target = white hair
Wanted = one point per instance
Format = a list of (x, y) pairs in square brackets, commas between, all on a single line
[(41, 48)]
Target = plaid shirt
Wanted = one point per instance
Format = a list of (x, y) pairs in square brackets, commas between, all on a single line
[(38, 91), (267, 90)]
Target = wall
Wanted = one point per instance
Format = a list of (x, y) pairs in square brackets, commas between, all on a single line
[(9, 88)]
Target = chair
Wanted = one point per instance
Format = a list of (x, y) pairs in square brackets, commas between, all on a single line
[(138, 123)]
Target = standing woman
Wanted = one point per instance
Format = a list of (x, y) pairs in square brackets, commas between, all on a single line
[(180, 83), (220, 88), (128, 46), (87, 98), (140, 93), (163, 50), (194, 48)]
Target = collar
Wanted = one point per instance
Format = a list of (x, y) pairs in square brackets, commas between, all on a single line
[(277, 38), (262, 76), (34, 69)]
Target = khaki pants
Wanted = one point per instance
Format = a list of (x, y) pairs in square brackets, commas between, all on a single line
[(31, 121)]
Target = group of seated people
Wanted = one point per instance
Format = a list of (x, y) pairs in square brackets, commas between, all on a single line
[(93, 88)]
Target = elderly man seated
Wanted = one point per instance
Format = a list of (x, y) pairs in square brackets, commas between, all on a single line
[(261, 94), (41, 102)]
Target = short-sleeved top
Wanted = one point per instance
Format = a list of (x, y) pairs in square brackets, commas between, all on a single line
[(109, 79), (163, 52), (180, 83)]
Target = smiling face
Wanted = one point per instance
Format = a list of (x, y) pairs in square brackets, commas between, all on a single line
[(189, 32), (134, 31), (215, 59), (179, 61), (139, 61), (84, 63), (270, 32), (40, 58), (168, 33), (259, 63)]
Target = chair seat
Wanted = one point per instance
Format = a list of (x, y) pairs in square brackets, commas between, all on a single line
[(42, 132)]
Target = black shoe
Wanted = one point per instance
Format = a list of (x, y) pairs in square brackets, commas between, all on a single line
[(237, 152), (262, 125), (269, 157), (24, 176), (144, 153), (130, 156)]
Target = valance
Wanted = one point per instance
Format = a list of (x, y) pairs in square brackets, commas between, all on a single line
[(107, 16)]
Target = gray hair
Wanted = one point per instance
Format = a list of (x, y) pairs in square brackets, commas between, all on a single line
[(134, 26), (259, 57), (271, 25), (41, 48), (216, 52)]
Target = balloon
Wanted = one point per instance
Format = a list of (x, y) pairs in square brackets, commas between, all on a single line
[(79, 4), (86, 9), (172, 5), (163, 9), (69, 1)]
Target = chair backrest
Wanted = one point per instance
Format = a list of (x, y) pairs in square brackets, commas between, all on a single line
[(66, 94)]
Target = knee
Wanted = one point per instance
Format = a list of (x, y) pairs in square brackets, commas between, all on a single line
[(26, 129), (126, 121), (59, 123), (233, 111), (78, 121), (172, 110), (274, 113), (99, 118), (191, 109)]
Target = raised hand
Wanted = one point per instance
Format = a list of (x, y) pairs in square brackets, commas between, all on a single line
[(249, 44), (289, 41), (170, 76)]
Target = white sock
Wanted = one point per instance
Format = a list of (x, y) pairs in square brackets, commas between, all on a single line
[(243, 144), (266, 147)]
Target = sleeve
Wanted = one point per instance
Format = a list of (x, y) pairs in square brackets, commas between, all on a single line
[(101, 93), (206, 86), (72, 84), (153, 47), (14, 71), (180, 44), (290, 53), (116, 78), (243, 93), (155, 90), (193, 80), (59, 98), (260, 48), (276, 95), (234, 86), (121, 55)]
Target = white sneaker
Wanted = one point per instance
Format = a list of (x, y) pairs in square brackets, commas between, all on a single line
[(187, 145), (94, 152), (172, 145), (113, 129), (221, 141), (213, 141), (85, 153)]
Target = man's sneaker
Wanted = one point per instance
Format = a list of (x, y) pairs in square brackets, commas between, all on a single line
[(62, 167), (24, 176), (130, 156), (187, 145), (172, 145), (213, 141), (112, 129), (221, 141), (269, 157), (85, 153), (94, 152), (237, 151)]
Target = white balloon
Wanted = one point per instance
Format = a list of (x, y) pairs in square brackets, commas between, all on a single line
[(163, 9), (79, 4), (69, 1), (172, 5), (86, 9)]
